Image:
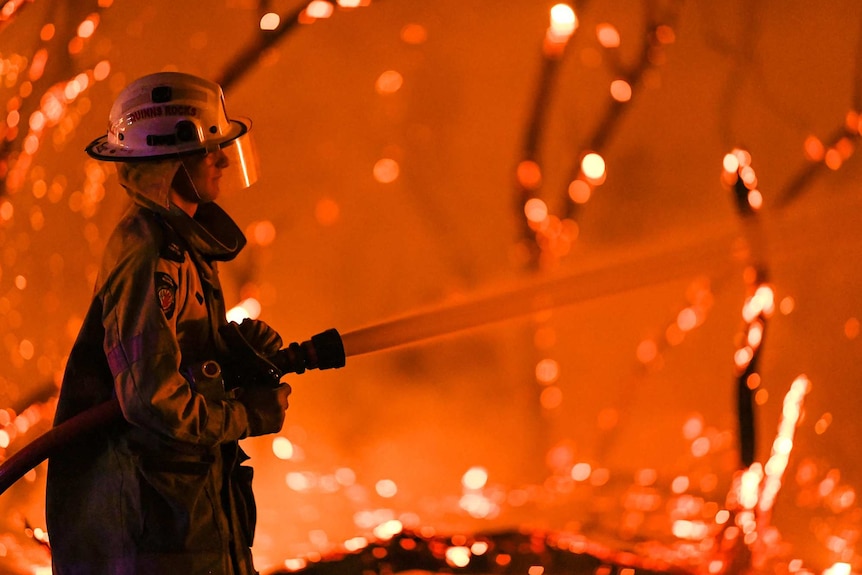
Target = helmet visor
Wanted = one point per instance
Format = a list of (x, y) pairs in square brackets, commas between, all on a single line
[(242, 163), (220, 169)]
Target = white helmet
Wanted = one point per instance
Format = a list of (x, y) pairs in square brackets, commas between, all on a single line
[(166, 115)]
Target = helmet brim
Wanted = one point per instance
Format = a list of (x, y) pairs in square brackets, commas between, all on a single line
[(102, 149)]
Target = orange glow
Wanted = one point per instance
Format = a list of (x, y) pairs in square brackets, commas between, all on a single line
[(386, 170), (679, 484), (475, 478), (647, 351), (700, 446), (386, 488), (295, 564), (674, 335), (580, 191), (387, 530), (564, 22), (687, 319), (535, 570), (327, 211), (748, 488), (844, 147), (12, 118), (755, 199), (748, 177), (665, 34), (355, 544), (730, 163), (693, 530), (414, 34), (88, 26), (47, 32), (762, 302), (389, 82), (593, 166), (551, 397), (621, 91), (102, 70), (755, 334), (783, 443), (852, 121), (282, 448), (247, 308), (263, 232), (529, 175), (646, 477), (600, 476), (851, 328), (536, 210), (814, 149), (37, 121), (31, 144), (753, 381), (458, 556), (26, 349), (71, 90), (839, 569), (743, 357), (37, 66), (270, 21), (607, 35), (13, 103), (76, 44), (693, 427), (547, 371), (319, 9), (581, 471), (833, 159)]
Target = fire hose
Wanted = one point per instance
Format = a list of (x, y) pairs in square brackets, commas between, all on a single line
[(327, 349), (323, 351)]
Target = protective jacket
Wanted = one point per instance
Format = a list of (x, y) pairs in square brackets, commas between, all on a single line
[(164, 491)]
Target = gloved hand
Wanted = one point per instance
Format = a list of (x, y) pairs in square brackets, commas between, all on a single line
[(262, 338), (265, 407)]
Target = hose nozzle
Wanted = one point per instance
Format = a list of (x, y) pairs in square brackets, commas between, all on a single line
[(245, 365), (323, 351)]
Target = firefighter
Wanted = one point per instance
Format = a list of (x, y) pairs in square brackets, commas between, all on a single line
[(166, 490)]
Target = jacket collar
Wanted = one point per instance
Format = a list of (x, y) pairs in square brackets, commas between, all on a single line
[(211, 233)]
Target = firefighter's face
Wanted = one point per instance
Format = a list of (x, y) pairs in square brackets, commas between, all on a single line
[(198, 179)]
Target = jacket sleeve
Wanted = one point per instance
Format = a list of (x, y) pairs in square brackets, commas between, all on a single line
[(144, 356)]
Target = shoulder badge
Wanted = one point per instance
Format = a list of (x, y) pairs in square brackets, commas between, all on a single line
[(166, 293)]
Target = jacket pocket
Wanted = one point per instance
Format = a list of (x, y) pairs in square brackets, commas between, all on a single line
[(177, 509)]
